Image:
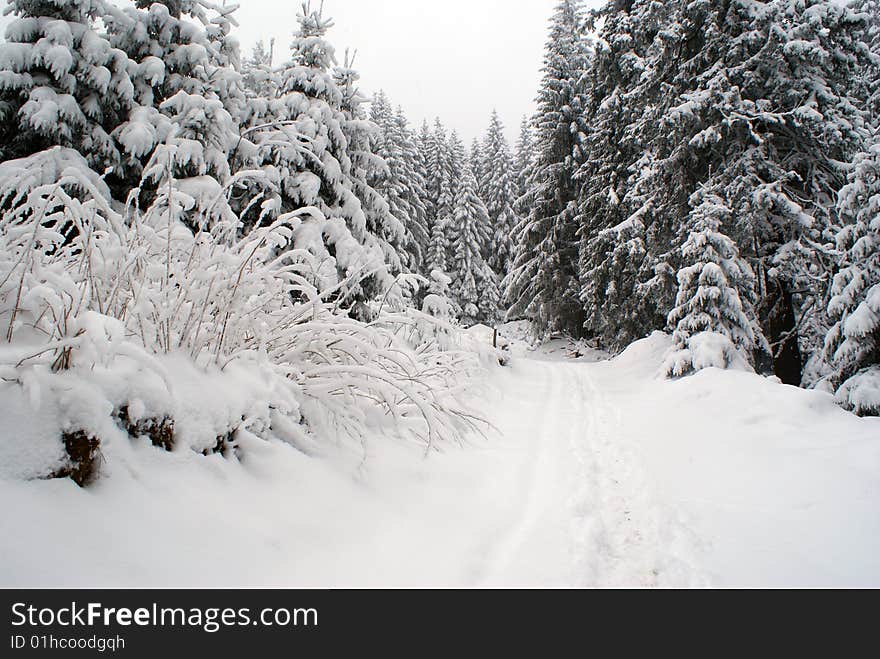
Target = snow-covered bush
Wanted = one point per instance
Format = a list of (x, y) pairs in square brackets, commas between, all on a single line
[(127, 307)]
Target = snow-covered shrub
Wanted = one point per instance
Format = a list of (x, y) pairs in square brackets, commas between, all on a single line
[(156, 313)]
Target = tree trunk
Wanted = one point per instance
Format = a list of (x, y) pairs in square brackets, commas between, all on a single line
[(780, 328)]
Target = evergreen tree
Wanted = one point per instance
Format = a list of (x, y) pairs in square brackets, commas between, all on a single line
[(628, 282), (477, 161), (365, 166), (413, 177), (870, 10), (759, 98), (446, 159), (713, 318), (402, 183), (187, 84), (437, 257), (63, 83), (301, 149), (258, 77), (543, 284), (499, 191), (471, 232), (453, 163), (853, 343), (523, 160), (426, 148)]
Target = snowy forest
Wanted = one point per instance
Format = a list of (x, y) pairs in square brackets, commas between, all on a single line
[(218, 257)]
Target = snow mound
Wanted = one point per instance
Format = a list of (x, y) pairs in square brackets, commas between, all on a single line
[(779, 482)]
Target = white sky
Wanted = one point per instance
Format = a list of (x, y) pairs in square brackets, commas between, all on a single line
[(456, 59)]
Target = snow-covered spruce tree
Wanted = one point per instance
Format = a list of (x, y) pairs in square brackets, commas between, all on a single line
[(445, 160), (794, 115), (499, 190), (759, 97), (853, 343), (187, 85), (452, 160), (435, 149), (414, 194), (366, 165), (477, 163), (437, 257), (258, 77), (470, 231), (62, 82), (426, 147), (523, 159), (179, 45), (489, 288), (402, 183), (713, 320), (543, 284), (628, 284), (297, 155), (438, 324), (871, 77)]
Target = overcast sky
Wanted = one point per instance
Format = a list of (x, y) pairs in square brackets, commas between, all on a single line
[(456, 59)]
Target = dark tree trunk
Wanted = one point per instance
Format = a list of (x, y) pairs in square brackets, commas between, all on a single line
[(780, 328)]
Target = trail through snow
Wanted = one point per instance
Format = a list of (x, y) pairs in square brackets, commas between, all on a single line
[(584, 514)]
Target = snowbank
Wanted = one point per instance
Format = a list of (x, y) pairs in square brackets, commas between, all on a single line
[(779, 483)]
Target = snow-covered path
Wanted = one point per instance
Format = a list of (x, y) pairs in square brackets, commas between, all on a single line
[(598, 474), (582, 512)]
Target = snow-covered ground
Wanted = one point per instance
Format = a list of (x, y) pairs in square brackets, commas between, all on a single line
[(598, 473)]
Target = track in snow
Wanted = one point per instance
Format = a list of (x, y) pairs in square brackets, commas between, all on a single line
[(582, 512)]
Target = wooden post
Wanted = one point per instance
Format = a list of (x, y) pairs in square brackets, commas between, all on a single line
[(494, 337)]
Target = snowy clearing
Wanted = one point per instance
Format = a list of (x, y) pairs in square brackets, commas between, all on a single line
[(600, 474)]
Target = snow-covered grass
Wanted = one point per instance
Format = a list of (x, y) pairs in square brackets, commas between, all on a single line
[(169, 318)]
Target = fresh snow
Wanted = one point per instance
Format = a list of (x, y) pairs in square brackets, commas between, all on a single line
[(598, 472)]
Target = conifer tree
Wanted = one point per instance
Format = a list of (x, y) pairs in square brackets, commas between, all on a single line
[(477, 163), (302, 150), (713, 319), (499, 191), (63, 83), (258, 77), (470, 229), (402, 182), (413, 177), (759, 98), (543, 285), (187, 84), (366, 164), (426, 147), (853, 343), (437, 257), (523, 159)]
